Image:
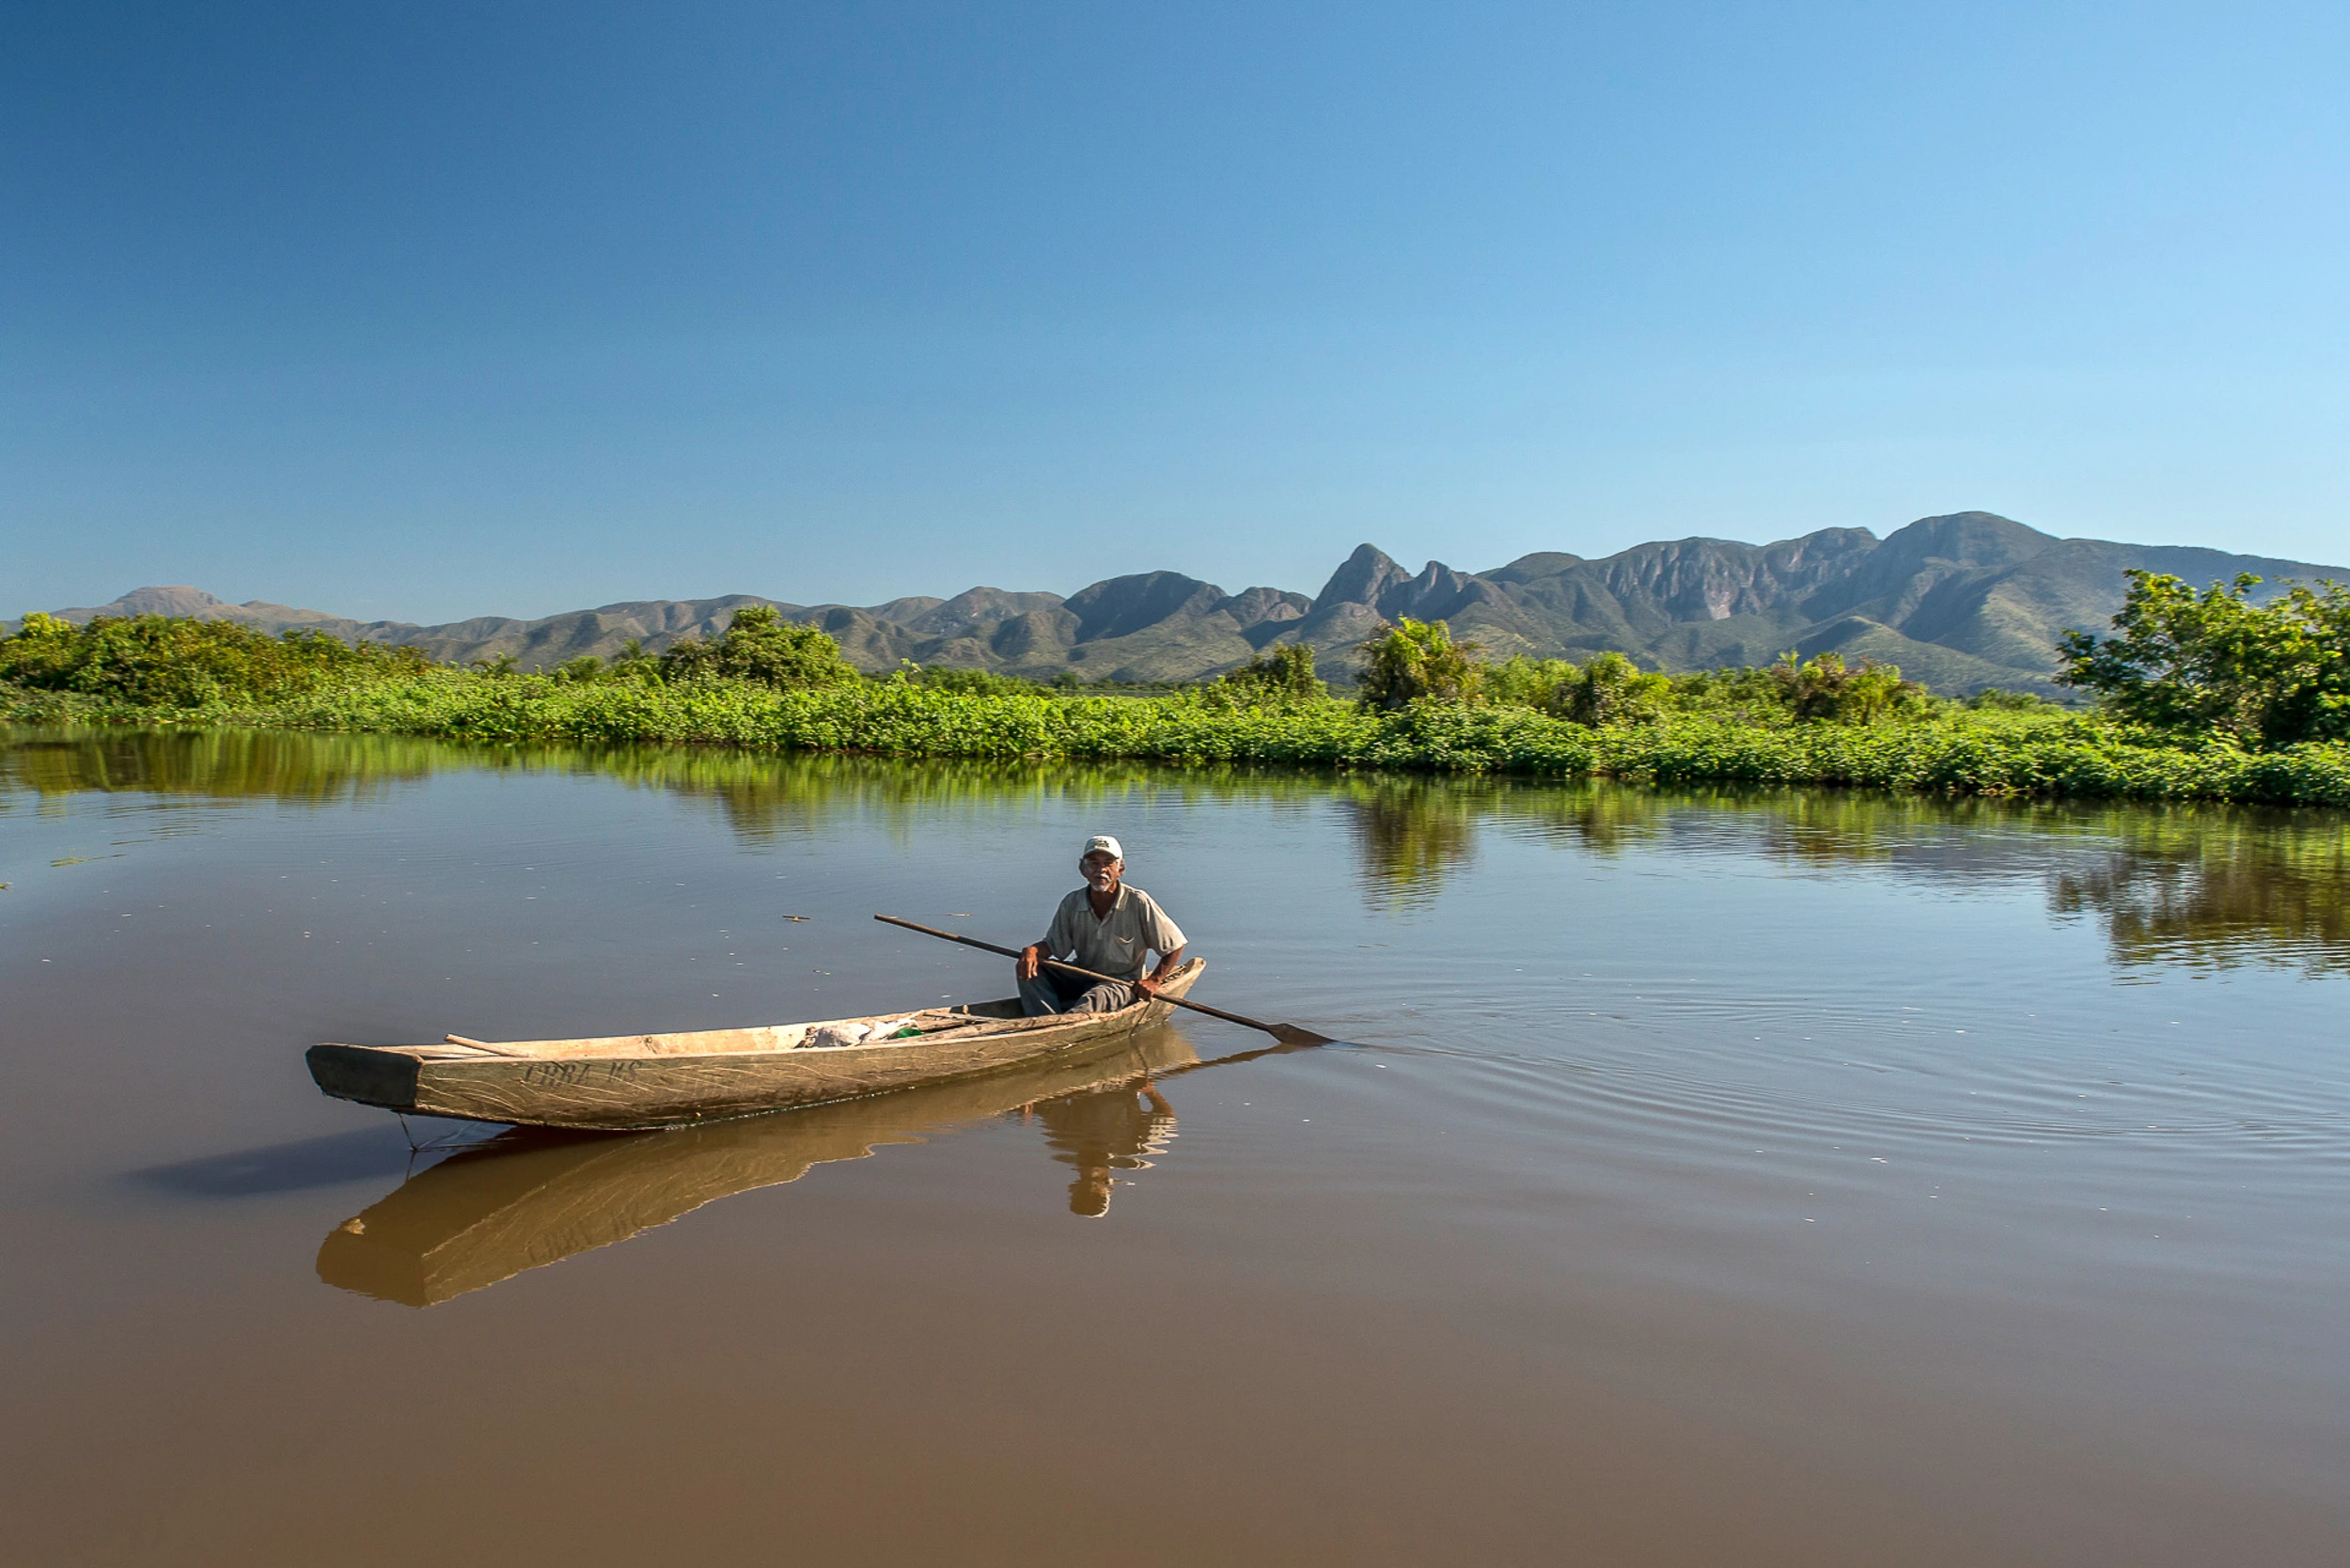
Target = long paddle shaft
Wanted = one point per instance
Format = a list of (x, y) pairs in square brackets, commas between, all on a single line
[(1288, 1034)]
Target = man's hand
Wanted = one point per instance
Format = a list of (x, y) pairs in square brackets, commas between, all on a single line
[(1150, 983), (1029, 961)]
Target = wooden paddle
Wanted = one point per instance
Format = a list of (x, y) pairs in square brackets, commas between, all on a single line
[(1288, 1034)]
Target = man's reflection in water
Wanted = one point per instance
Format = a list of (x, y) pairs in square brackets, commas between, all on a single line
[(1101, 1132)]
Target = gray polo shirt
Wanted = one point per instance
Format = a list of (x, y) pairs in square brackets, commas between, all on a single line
[(1113, 947)]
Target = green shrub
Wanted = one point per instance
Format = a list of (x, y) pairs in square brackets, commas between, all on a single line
[(1521, 681), (1611, 689), (631, 663), (1823, 688), (180, 662), (1275, 678), (1738, 695), (763, 646), (2269, 675), (1415, 660)]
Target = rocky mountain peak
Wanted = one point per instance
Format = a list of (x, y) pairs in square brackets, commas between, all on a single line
[(1375, 580), (1966, 539), (1122, 605), (1914, 560), (1256, 606), (174, 599), (1525, 568), (972, 607), (1366, 574)]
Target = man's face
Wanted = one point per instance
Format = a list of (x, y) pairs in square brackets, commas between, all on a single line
[(1101, 870)]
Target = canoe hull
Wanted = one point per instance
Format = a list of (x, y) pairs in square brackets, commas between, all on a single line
[(625, 1092)]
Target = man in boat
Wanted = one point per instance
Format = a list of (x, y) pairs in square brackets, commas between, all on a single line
[(1106, 927)]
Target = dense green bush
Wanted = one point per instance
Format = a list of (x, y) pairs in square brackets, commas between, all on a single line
[(1525, 682), (2270, 675), (585, 667), (153, 661), (1279, 676), (1416, 660), (1611, 689), (1823, 688), (761, 646)]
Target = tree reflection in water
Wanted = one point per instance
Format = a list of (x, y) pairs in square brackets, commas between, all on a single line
[(2267, 887), (2202, 884), (215, 764), (2197, 884), (1410, 834)]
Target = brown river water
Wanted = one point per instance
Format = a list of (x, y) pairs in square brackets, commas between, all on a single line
[(1769, 1177)]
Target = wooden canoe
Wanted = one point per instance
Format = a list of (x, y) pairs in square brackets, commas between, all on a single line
[(523, 1199), (627, 1082)]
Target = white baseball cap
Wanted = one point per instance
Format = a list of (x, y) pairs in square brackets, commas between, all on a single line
[(1105, 844)]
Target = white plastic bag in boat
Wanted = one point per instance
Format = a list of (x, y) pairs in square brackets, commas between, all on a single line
[(833, 1036)]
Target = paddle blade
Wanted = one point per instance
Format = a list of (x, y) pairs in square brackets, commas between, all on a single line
[(1290, 1034)]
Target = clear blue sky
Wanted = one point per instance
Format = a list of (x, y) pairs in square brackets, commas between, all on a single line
[(427, 312)]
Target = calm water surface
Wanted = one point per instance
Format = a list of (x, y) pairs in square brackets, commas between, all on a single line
[(1776, 1178)]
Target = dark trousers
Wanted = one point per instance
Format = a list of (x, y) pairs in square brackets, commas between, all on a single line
[(1052, 991)]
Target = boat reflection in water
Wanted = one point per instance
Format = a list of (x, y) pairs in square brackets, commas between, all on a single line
[(523, 1199)]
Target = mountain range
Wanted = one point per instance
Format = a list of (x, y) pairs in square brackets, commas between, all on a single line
[(1960, 602)]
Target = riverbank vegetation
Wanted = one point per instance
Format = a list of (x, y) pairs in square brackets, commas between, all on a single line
[(2214, 884), (2203, 696)]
